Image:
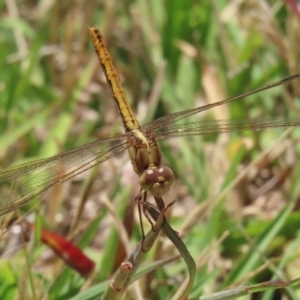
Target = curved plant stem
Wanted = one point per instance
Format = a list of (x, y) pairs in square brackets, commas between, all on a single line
[(176, 240)]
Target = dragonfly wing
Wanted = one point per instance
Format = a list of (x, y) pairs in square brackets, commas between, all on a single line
[(172, 118), (22, 183), (220, 126)]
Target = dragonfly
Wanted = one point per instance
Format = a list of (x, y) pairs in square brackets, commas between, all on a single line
[(30, 180)]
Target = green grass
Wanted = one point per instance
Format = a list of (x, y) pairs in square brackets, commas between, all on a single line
[(171, 56)]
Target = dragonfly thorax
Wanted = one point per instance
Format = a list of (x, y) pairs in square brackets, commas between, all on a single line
[(157, 181), (144, 152)]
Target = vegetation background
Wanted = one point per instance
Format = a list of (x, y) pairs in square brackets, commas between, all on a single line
[(237, 194)]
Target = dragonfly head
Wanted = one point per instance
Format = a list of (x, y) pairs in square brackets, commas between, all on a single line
[(157, 181)]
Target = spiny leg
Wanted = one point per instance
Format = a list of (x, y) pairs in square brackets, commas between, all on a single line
[(142, 200), (160, 203)]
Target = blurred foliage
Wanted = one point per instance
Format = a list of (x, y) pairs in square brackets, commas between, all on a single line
[(171, 56)]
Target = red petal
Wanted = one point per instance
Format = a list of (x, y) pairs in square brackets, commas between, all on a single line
[(71, 254)]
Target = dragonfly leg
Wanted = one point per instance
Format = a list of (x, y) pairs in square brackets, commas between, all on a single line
[(143, 207), (142, 200), (160, 203)]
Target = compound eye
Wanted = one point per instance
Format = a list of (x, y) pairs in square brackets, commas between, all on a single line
[(157, 181), (148, 178), (166, 173)]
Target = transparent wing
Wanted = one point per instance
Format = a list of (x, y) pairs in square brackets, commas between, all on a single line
[(219, 126), (20, 184), (172, 118)]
